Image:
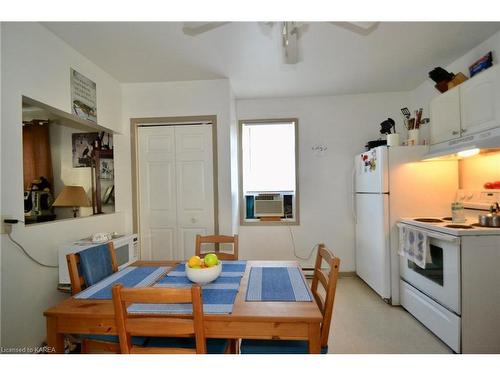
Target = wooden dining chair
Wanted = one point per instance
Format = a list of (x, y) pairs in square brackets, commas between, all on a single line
[(77, 270), (84, 274), (217, 240), (166, 334), (328, 279)]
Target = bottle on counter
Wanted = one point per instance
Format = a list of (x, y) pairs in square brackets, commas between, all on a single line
[(457, 212)]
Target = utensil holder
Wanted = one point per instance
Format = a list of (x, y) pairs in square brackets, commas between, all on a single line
[(413, 137), (393, 139)]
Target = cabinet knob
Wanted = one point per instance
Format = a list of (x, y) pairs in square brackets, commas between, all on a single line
[(193, 220), (454, 132), (464, 130)]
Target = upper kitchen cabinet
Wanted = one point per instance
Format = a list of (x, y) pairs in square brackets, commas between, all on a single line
[(480, 102), (472, 107), (445, 116)]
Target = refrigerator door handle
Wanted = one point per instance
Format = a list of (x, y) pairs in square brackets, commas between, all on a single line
[(353, 202)]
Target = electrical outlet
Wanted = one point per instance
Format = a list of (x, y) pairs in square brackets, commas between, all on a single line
[(5, 228)]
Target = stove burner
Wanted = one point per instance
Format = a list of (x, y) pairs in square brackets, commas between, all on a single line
[(447, 218), (457, 226), (428, 220), (483, 226)]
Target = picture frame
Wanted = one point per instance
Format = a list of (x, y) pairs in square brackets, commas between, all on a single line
[(82, 147), (106, 169)]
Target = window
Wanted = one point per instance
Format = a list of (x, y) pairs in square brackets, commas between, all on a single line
[(268, 165)]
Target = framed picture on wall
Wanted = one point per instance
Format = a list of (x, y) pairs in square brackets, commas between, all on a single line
[(106, 169), (83, 144)]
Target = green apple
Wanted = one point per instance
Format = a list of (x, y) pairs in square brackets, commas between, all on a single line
[(211, 260)]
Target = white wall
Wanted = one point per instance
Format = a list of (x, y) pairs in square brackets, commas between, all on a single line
[(37, 64), (187, 98), (344, 124), (476, 171)]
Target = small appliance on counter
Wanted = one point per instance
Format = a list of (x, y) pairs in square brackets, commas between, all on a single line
[(454, 292), (38, 202)]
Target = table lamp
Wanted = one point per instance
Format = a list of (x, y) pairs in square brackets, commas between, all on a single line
[(72, 196)]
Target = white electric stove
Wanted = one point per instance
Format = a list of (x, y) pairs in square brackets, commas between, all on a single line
[(457, 294)]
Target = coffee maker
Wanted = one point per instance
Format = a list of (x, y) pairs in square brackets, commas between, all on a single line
[(38, 200)]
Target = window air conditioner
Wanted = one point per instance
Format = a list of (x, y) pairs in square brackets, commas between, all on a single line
[(268, 205)]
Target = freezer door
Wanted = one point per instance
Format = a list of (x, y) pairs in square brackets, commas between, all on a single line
[(372, 242), (371, 175)]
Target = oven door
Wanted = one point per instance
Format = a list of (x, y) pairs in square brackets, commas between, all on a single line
[(440, 280), (125, 251)]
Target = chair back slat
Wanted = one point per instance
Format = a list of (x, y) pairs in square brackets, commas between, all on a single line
[(329, 283), (215, 239), (323, 278), (138, 324), (77, 280)]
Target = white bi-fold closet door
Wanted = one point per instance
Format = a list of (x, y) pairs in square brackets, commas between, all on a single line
[(176, 189)]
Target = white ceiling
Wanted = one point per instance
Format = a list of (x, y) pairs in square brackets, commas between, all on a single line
[(395, 56)]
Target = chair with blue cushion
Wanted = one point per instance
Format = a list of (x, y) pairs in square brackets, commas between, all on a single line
[(168, 334), (328, 279), (86, 268)]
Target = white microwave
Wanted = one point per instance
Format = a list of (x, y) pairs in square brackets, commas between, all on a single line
[(126, 248)]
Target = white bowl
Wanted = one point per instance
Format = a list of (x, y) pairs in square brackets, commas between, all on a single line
[(203, 275)]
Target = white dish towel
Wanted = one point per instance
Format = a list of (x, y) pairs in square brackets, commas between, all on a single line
[(414, 245)]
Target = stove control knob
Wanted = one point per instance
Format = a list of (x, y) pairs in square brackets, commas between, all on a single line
[(461, 197), (469, 196)]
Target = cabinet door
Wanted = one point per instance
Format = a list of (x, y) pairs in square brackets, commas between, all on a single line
[(480, 102), (445, 116)]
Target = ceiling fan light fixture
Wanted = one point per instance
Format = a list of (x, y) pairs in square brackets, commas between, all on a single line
[(290, 35)]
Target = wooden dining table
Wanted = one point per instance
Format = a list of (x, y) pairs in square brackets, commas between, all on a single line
[(248, 320)]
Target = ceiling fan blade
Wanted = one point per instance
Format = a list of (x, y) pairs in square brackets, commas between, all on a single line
[(361, 28), (196, 28)]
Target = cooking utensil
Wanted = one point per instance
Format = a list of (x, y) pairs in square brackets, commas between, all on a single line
[(418, 117), (406, 112), (489, 220)]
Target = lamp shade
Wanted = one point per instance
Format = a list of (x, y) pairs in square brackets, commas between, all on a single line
[(72, 196)]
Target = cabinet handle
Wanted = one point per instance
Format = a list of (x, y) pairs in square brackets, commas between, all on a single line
[(454, 132)]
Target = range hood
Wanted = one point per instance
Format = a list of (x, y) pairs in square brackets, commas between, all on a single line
[(488, 140)]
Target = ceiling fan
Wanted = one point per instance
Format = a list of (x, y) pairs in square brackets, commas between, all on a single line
[(290, 33)]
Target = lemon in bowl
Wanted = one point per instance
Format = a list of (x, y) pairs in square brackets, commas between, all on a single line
[(203, 271)]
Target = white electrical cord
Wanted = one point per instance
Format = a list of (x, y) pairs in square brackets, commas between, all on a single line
[(294, 249), (27, 254)]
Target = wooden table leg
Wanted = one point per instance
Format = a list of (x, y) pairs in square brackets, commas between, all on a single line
[(54, 339), (314, 338)]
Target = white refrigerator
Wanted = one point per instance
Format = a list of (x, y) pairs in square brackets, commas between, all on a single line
[(389, 184)]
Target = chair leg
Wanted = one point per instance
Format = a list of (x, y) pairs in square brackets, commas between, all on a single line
[(99, 347), (84, 348), (233, 347)]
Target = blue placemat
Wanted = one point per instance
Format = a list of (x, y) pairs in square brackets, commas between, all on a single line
[(277, 284), (130, 277), (218, 296)]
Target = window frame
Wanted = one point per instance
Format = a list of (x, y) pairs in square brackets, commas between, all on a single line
[(242, 201)]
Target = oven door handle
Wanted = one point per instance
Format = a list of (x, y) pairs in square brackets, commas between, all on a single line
[(431, 234)]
